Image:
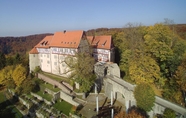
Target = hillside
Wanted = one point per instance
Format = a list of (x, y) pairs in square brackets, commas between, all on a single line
[(180, 29), (12, 45)]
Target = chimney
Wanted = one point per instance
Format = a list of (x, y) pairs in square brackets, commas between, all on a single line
[(64, 31)]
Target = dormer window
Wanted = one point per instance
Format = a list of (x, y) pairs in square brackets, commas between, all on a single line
[(42, 42), (104, 43), (61, 41), (97, 42), (46, 42)]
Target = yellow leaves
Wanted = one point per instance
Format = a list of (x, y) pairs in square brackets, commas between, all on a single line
[(6, 74), (161, 33), (144, 70), (19, 74)]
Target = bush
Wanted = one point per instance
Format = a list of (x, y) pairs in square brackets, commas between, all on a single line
[(37, 69), (169, 113), (144, 96)]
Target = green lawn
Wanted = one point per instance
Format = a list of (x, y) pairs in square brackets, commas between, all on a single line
[(29, 96), (63, 106), (55, 77), (49, 86), (45, 96)]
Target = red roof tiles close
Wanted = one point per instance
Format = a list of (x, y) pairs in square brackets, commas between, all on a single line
[(45, 43), (67, 39), (71, 39), (101, 42), (33, 51)]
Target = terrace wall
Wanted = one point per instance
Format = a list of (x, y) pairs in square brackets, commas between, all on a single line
[(68, 98), (54, 83)]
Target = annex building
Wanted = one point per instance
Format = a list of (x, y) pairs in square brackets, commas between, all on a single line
[(50, 52)]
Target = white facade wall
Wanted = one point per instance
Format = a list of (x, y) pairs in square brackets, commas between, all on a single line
[(33, 61), (51, 60), (45, 62), (101, 54), (55, 63), (58, 55)]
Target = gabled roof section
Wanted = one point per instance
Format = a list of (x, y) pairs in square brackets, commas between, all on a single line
[(90, 39), (45, 43), (101, 42), (33, 51), (67, 39)]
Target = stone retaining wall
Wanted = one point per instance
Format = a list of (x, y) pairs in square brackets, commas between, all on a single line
[(68, 98), (67, 85), (24, 102), (37, 96), (54, 83)]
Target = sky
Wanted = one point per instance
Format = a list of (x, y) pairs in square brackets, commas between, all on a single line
[(28, 17)]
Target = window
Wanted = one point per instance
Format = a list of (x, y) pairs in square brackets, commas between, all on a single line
[(55, 56), (48, 62), (48, 55), (34, 55), (54, 49), (41, 60), (55, 63), (41, 55), (68, 50)]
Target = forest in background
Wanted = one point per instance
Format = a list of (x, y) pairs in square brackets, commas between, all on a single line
[(152, 54), (23, 44)]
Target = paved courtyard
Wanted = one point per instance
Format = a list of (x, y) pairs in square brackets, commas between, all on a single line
[(89, 109)]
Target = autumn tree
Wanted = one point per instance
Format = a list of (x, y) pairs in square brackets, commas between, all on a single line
[(27, 86), (144, 96), (81, 70), (145, 69), (181, 74), (6, 77), (19, 74), (165, 47), (133, 112), (130, 44)]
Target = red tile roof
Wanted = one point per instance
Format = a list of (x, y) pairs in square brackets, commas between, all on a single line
[(71, 39), (45, 43), (101, 42), (67, 39), (33, 51)]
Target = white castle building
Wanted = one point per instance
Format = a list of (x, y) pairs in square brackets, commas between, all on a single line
[(50, 53)]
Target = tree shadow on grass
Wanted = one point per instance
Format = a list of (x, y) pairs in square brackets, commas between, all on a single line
[(7, 110)]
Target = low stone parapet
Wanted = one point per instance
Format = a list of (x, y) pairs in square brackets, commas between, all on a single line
[(54, 83), (68, 98), (37, 96), (47, 102)]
